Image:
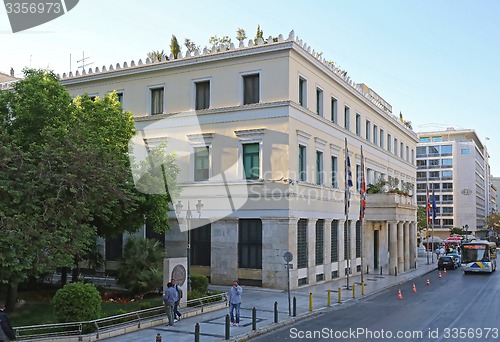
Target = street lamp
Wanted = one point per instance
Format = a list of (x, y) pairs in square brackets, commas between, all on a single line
[(466, 233), (189, 216)]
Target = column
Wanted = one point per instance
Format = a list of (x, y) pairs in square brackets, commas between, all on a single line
[(401, 259), (413, 244), (311, 251), (383, 250), (327, 247), (406, 234), (352, 229), (367, 246), (393, 246), (292, 247), (342, 257)]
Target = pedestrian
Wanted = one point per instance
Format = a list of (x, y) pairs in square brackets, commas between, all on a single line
[(6, 331), (442, 251), (437, 252), (235, 303), (169, 299), (179, 296)]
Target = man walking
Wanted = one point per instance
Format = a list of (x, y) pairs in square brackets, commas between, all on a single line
[(179, 296), (169, 298), (235, 303), (6, 331)]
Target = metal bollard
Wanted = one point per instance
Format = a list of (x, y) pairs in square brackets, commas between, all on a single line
[(396, 271), (362, 288), (340, 295), (254, 319), (275, 312), (380, 270), (294, 311), (197, 332), (328, 302), (310, 301), (367, 269), (353, 290), (158, 337), (227, 327)]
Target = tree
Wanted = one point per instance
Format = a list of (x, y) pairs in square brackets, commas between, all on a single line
[(214, 40), (241, 34), (421, 219), (141, 268), (190, 46), (493, 221), (457, 230), (65, 177), (157, 55), (175, 49), (259, 34)]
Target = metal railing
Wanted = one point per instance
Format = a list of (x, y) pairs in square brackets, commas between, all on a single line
[(57, 330)]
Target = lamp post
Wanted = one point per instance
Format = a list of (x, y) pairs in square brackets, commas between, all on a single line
[(466, 233), (189, 216)]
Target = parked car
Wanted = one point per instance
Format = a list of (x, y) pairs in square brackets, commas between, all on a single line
[(457, 257), (447, 262)]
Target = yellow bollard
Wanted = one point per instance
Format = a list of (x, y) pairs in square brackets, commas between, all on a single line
[(328, 303), (362, 288), (340, 295), (353, 290), (310, 301)]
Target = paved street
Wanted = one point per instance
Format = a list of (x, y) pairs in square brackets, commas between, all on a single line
[(212, 324), (455, 307)]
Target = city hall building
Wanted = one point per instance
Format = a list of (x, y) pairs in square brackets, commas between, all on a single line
[(259, 132)]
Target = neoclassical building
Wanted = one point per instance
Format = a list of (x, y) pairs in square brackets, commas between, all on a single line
[(259, 131)]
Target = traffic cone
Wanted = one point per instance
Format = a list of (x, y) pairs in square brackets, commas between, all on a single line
[(428, 282), (414, 290), (400, 296), (439, 275), (444, 271)]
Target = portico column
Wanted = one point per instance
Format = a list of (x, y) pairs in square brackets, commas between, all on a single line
[(311, 251), (393, 246), (342, 257), (327, 248), (413, 244), (406, 233), (401, 260)]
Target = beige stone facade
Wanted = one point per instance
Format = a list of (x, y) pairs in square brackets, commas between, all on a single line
[(259, 132)]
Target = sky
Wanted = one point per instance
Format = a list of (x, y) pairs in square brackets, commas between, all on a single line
[(434, 61)]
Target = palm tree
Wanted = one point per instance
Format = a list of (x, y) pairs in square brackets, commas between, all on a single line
[(157, 56)]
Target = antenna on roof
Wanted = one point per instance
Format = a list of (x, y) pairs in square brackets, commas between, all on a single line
[(83, 61)]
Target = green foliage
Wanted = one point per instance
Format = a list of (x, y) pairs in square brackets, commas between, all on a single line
[(141, 268), (457, 230), (241, 34), (199, 283), (77, 302), (175, 49), (493, 221), (157, 55), (259, 34), (376, 187), (190, 45), (421, 218)]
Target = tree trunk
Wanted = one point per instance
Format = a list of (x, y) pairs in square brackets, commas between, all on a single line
[(75, 272), (12, 296), (64, 276)]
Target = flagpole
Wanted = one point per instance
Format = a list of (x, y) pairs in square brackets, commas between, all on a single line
[(346, 208), (362, 204), (427, 222)]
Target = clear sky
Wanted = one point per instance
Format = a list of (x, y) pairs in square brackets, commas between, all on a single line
[(435, 61)]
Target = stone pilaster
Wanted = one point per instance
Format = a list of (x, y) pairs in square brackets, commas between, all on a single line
[(401, 261), (413, 244), (406, 230), (327, 247), (311, 251), (224, 263), (393, 246)]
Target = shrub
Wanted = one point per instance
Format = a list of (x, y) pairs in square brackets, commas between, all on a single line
[(199, 283), (77, 302)]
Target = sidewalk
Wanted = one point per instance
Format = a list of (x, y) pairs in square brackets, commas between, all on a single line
[(212, 324)]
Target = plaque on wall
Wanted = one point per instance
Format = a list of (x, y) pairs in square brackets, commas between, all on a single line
[(179, 274), (466, 192)]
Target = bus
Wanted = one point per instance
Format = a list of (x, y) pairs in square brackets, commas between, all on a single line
[(479, 256)]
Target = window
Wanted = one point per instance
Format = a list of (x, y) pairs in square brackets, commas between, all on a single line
[(335, 241), (358, 239), (395, 146), (250, 243), (319, 167), (437, 139), (447, 198), (448, 222), (407, 153), (421, 151), (413, 156), (465, 151), (302, 243), (201, 163), (334, 111), (202, 95), (251, 89), (447, 174), (251, 161), (119, 96), (447, 162), (433, 163), (302, 163), (334, 172), (368, 130), (422, 163), (425, 139), (446, 150), (447, 187), (157, 100), (303, 92), (358, 124), (375, 134), (433, 150), (319, 101), (421, 174), (389, 142), (434, 174), (320, 232), (347, 118), (358, 177), (201, 245), (381, 138)]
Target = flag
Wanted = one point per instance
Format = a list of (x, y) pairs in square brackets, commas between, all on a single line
[(433, 206), (428, 203), (348, 178), (362, 189)]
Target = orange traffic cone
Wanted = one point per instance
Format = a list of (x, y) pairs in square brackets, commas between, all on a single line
[(428, 282), (400, 296), (444, 271), (439, 275), (414, 290)]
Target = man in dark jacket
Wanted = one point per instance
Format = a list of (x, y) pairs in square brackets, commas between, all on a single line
[(5, 325)]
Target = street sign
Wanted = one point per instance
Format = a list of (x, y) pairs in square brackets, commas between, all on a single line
[(289, 266), (288, 256)]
